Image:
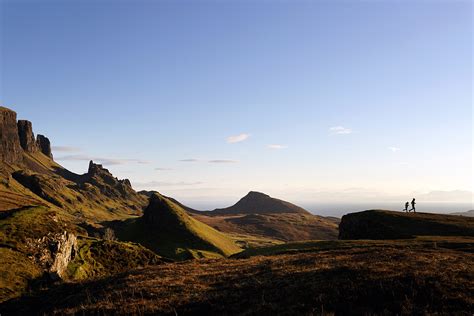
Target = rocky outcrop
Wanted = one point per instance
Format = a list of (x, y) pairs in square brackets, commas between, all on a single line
[(53, 252), (10, 149), (44, 145), (27, 138), (64, 252), (108, 185), (260, 203)]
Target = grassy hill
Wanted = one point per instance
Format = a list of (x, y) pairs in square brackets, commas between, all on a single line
[(353, 281), (170, 231), (381, 224)]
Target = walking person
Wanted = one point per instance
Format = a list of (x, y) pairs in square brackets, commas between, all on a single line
[(413, 205)]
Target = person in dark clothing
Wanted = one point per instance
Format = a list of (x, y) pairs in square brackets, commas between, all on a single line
[(406, 206), (413, 205)]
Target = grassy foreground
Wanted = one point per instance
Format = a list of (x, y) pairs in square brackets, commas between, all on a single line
[(355, 281)]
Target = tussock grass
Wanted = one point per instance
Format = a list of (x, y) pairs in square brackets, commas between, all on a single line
[(354, 281)]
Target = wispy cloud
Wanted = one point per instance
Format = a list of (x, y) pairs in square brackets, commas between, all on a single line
[(237, 138), (222, 161), (189, 160), (340, 130), (102, 160), (276, 146), (165, 184), (67, 149), (163, 169), (394, 149)]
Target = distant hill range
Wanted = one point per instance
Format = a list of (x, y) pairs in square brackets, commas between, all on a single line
[(467, 213), (381, 224)]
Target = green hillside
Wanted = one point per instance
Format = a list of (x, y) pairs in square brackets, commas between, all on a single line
[(167, 229)]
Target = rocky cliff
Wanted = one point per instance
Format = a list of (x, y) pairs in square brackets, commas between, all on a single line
[(27, 138), (44, 145), (10, 149), (18, 137)]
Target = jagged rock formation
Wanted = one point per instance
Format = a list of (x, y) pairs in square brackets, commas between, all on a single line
[(27, 138), (10, 149), (18, 137), (44, 145), (380, 224), (108, 185), (260, 203)]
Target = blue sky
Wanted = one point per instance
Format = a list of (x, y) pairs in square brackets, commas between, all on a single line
[(205, 100)]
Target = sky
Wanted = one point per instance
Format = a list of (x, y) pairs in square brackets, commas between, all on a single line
[(309, 101)]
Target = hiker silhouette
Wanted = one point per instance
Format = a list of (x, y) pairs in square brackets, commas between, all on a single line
[(413, 205), (406, 206)]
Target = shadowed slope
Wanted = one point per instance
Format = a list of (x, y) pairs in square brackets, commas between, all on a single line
[(170, 231)]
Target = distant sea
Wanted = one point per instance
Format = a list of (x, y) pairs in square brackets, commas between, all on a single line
[(338, 210)]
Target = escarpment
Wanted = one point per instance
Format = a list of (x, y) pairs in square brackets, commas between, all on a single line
[(10, 149)]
